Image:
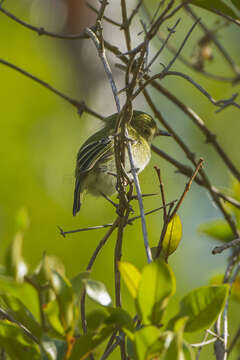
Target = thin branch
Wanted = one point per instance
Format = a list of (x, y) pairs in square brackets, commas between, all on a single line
[(89, 267), (80, 105), (187, 170), (185, 61), (212, 36), (162, 193), (191, 157), (4, 315), (234, 341), (125, 24), (171, 32), (231, 244), (111, 21), (187, 188), (129, 222), (210, 137), (204, 343), (134, 12), (41, 31), (101, 53)]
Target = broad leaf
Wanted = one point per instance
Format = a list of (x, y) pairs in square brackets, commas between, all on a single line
[(236, 3), (202, 306), (15, 265), (78, 284), (97, 291), (156, 286), (144, 340), (215, 5), (218, 229), (85, 344), (172, 237), (131, 277), (65, 298), (16, 343), (16, 309)]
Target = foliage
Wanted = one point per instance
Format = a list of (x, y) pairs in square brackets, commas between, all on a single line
[(43, 311), (58, 334)]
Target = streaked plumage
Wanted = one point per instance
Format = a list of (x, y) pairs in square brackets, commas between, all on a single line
[(96, 162)]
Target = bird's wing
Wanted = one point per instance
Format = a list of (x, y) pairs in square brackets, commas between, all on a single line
[(90, 153)]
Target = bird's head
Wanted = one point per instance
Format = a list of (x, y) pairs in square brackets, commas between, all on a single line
[(145, 125)]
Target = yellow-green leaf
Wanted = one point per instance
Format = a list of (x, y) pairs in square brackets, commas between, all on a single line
[(131, 276), (172, 237)]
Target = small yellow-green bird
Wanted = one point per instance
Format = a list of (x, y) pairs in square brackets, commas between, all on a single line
[(95, 166)]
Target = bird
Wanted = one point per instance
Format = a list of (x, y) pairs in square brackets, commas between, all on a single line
[(95, 171)]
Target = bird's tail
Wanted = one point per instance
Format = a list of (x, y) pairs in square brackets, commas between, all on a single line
[(76, 201)]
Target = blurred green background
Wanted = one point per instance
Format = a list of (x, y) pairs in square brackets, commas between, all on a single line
[(41, 134)]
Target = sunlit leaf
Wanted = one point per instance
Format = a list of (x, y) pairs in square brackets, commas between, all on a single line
[(53, 349), (51, 310), (172, 237), (96, 319), (131, 276), (120, 318), (15, 265), (16, 343), (65, 298), (202, 306), (156, 286), (218, 229), (85, 344), (77, 282), (144, 340), (215, 5), (22, 219), (188, 353), (15, 308), (97, 291), (235, 291)]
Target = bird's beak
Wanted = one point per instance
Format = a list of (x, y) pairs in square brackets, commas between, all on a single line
[(162, 133)]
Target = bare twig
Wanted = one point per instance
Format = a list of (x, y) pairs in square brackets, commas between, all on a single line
[(231, 244), (187, 188), (162, 193), (80, 105), (213, 37), (89, 267), (101, 52), (42, 31)]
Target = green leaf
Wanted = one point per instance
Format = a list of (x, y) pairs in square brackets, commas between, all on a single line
[(218, 229), (51, 310), (214, 5), (131, 276), (78, 284), (236, 3), (16, 343), (174, 348), (188, 353), (96, 319), (172, 237), (53, 349), (120, 318), (144, 340), (202, 306), (97, 292), (156, 286), (235, 291), (15, 265), (16, 309), (22, 219), (86, 344), (65, 298)]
